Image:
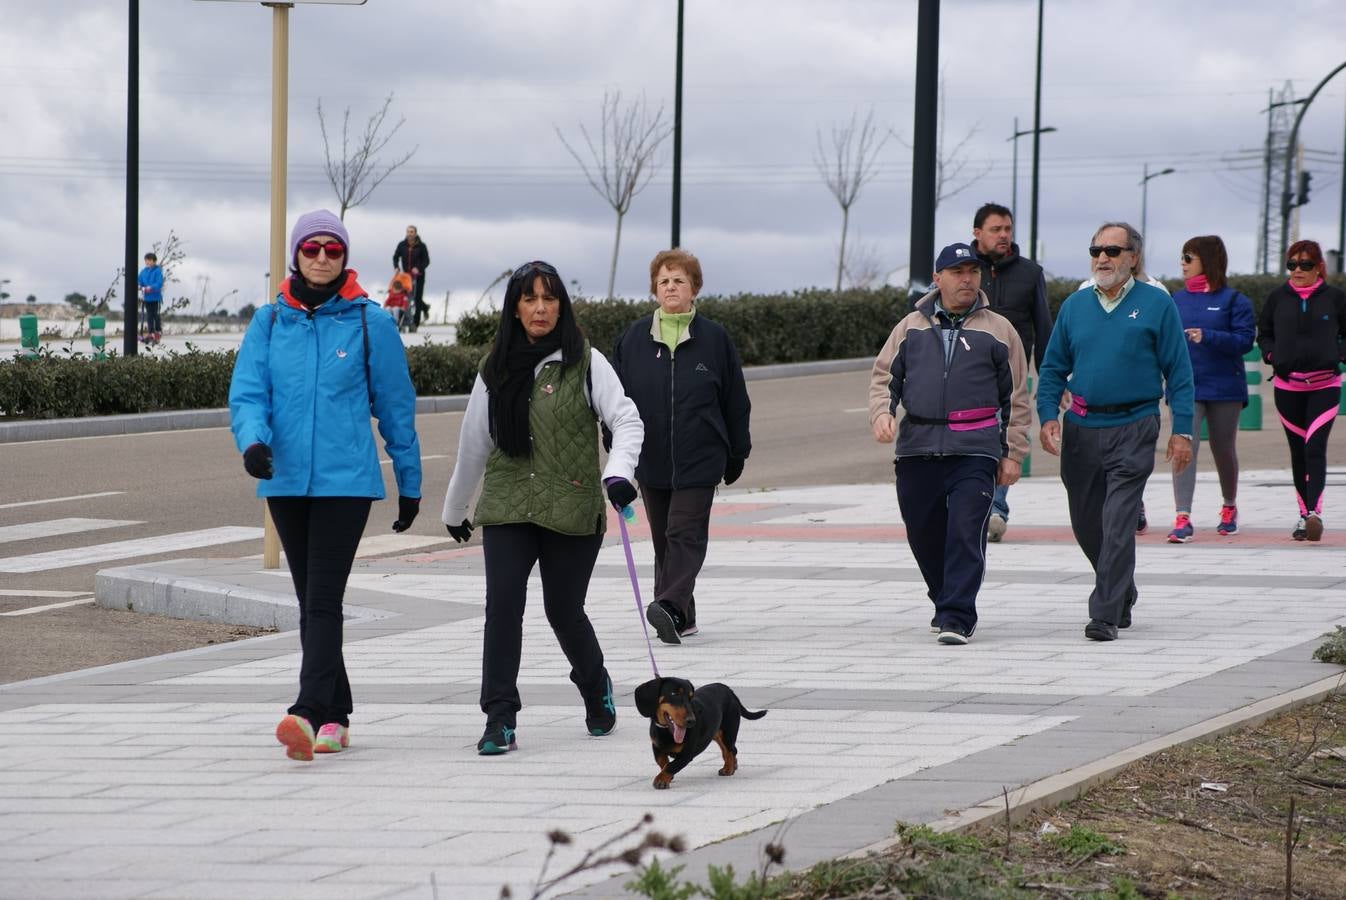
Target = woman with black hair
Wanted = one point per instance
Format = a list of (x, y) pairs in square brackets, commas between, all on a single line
[(530, 438), (1302, 336)]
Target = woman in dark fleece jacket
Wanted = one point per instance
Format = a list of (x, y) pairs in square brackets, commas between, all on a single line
[(683, 372), (1302, 335)]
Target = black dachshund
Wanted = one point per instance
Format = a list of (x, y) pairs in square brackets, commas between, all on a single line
[(684, 720)]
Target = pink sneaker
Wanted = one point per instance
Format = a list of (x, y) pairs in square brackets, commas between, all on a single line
[(332, 738), (296, 734)]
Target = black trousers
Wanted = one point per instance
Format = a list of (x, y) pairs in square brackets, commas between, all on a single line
[(945, 503), (152, 322), (1307, 418), (419, 307), (320, 536), (680, 531), (1104, 471), (566, 563)]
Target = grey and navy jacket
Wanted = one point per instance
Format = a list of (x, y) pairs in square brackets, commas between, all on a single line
[(694, 405), (962, 384)]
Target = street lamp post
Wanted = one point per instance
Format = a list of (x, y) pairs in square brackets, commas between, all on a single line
[(1287, 197), (1145, 191), (1014, 175)]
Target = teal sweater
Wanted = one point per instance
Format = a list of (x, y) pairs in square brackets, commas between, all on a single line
[(1129, 355)]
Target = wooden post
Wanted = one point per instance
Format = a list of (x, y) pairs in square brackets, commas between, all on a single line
[(280, 110)]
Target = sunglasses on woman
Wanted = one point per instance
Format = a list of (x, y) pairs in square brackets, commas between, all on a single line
[(332, 249), (536, 265), (1305, 265), (1112, 250), (1188, 258)]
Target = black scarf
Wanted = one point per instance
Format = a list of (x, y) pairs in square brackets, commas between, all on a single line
[(313, 296), (512, 390)]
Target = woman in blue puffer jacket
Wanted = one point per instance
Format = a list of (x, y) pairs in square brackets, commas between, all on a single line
[(1219, 325), (312, 369)]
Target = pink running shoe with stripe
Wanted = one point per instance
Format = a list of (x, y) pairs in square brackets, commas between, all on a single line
[(296, 734), (332, 738)]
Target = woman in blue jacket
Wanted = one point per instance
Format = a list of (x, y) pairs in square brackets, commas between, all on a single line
[(313, 367), (1219, 325)]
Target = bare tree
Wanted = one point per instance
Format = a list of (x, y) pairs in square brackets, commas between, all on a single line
[(862, 264), (851, 162), (622, 162), (950, 166), (356, 173)]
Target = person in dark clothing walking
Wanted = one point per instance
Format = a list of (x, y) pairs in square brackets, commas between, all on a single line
[(1015, 288), (530, 438), (958, 370), (311, 370), (413, 257), (1302, 336), (683, 372)]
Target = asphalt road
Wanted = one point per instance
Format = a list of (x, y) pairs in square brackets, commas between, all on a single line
[(160, 487)]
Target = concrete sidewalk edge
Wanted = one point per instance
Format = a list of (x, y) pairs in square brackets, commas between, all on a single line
[(1070, 785), (177, 420)]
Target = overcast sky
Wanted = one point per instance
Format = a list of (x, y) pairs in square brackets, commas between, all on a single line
[(484, 85)]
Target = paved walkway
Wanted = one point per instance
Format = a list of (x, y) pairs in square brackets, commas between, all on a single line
[(160, 778)]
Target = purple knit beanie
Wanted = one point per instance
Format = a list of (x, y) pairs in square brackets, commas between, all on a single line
[(320, 221)]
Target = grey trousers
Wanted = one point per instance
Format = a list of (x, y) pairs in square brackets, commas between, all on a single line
[(1104, 471)]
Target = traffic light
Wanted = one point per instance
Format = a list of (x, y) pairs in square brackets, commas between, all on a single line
[(1304, 178)]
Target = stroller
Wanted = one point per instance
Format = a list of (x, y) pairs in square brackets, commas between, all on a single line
[(398, 301)]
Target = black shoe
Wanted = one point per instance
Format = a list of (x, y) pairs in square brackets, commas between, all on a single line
[(955, 634), (1142, 523), (1098, 630), (665, 620), (600, 712), (498, 738), (934, 625), (1126, 613)]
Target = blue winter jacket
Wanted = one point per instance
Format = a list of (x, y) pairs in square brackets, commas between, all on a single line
[(1225, 318), (151, 278), (301, 386)]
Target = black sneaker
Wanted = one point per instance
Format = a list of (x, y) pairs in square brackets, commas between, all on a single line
[(1098, 630), (1142, 523), (955, 634), (498, 738), (1301, 532), (600, 712), (934, 625), (666, 621), (1126, 613)]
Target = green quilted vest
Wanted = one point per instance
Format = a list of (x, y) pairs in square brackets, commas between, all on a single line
[(560, 485)]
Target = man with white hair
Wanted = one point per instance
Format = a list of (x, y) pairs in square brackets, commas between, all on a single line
[(1118, 347)]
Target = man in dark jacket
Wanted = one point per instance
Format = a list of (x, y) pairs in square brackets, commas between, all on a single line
[(683, 372), (1017, 290), (413, 257), (957, 369)]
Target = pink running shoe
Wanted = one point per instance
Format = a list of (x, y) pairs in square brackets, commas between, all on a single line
[(332, 738), (296, 734)]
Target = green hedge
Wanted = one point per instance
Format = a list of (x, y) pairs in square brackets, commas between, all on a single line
[(767, 328), (52, 386)]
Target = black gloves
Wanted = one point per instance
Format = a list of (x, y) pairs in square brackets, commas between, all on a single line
[(621, 492), (257, 461), (732, 469), (461, 533), (407, 508)]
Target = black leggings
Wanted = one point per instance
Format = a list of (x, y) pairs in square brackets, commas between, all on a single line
[(1307, 418), (320, 536), (566, 563)]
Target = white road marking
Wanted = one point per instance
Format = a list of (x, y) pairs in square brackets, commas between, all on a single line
[(37, 609), (384, 544), (53, 527), (856, 409), (61, 499), (154, 544), (7, 592), (389, 462)]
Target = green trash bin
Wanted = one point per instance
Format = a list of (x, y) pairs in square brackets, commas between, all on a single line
[(1251, 417)]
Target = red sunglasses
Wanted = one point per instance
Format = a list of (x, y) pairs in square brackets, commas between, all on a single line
[(333, 249)]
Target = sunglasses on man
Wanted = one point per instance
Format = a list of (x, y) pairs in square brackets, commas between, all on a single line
[(332, 249), (1304, 265), (1112, 250)]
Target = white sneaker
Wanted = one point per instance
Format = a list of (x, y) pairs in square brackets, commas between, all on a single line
[(995, 528)]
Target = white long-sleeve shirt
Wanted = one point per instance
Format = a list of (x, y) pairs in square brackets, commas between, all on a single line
[(607, 398)]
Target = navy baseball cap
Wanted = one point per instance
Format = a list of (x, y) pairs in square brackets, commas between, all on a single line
[(955, 255)]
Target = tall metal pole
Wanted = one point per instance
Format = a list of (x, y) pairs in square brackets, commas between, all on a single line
[(1264, 239), (1286, 194), (130, 311), (1144, 196), (1037, 140), (1014, 177), (923, 156), (1341, 216), (676, 240), (280, 111)]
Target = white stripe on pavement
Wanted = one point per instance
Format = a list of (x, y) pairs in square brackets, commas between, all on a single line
[(389, 462), (8, 592), (154, 544), (385, 544), (61, 499), (37, 609), (53, 527)]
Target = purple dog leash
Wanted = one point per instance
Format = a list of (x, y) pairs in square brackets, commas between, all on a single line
[(635, 587)]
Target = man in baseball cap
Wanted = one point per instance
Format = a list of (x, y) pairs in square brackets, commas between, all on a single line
[(964, 430)]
